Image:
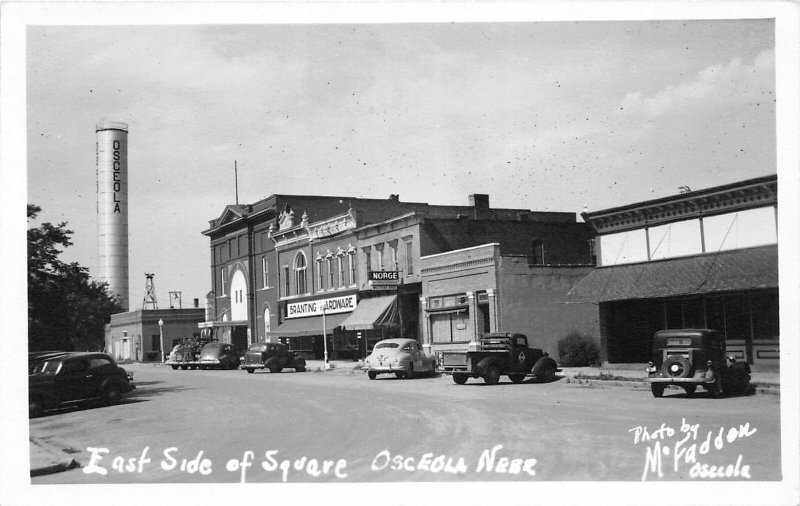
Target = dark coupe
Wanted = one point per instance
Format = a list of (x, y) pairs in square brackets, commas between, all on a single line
[(272, 356), (63, 378)]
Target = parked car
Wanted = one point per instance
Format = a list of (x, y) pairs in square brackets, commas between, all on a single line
[(272, 356), (690, 358), (63, 378), (401, 357), (216, 355)]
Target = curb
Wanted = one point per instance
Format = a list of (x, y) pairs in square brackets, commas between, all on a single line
[(51, 459), (767, 389)]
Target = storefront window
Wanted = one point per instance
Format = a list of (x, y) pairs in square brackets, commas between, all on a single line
[(765, 316), (675, 239), (409, 258), (342, 273), (351, 258), (300, 272), (737, 317), (623, 247), (320, 275)]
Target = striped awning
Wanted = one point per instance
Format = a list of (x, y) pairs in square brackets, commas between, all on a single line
[(372, 313)]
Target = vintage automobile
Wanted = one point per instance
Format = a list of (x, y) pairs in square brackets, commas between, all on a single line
[(402, 357), (689, 358), (272, 356), (64, 378), (217, 355), (495, 354)]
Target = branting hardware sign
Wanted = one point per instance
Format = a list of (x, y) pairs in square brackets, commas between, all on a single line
[(335, 305)]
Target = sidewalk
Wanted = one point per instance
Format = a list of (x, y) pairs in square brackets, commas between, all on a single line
[(47, 459)]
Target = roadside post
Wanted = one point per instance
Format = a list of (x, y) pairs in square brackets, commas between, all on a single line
[(161, 338)]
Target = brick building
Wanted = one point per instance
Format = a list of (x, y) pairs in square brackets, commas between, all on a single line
[(293, 268), (702, 259)]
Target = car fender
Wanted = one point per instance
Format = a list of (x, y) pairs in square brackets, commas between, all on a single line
[(112, 380), (48, 399), (299, 362), (542, 363), (272, 361), (482, 366)]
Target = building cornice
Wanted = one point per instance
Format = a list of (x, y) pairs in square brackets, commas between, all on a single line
[(749, 194)]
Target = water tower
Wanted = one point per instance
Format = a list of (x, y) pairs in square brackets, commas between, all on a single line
[(112, 208)]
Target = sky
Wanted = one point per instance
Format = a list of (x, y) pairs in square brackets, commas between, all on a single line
[(549, 116)]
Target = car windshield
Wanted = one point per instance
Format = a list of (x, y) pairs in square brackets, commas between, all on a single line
[(386, 345)]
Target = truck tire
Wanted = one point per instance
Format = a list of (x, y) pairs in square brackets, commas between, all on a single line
[(492, 376), (174, 367), (372, 375), (460, 378), (517, 378), (250, 370), (548, 374), (657, 389)]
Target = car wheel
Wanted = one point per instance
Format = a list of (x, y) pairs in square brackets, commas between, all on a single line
[(174, 367), (184, 367), (112, 394), (460, 378), (250, 370), (657, 389), (409, 374), (35, 406), (399, 374), (516, 378), (492, 376), (300, 368), (275, 369), (690, 389), (372, 375)]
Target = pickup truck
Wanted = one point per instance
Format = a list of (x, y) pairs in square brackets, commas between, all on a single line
[(497, 354)]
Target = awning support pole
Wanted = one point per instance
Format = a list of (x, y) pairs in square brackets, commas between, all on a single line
[(324, 342)]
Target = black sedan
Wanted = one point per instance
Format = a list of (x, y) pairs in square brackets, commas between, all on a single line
[(57, 379)]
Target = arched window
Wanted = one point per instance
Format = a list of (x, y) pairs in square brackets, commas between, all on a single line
[(266, 321), (300, 272)]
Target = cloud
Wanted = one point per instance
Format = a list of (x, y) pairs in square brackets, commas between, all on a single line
[(714, 83)]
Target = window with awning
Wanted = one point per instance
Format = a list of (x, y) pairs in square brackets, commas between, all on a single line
[(373, 313), (310, 326)]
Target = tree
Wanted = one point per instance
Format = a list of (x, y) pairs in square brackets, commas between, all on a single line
[(66, 309)]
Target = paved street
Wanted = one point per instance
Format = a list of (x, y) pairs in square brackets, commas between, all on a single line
[(339, 426)]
